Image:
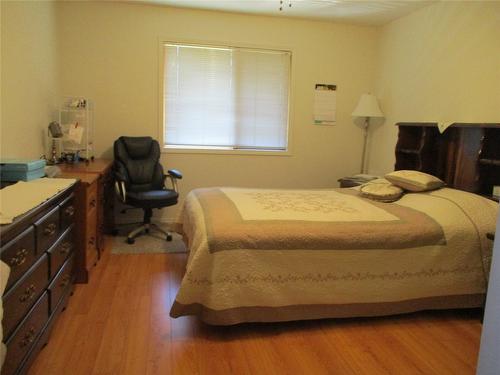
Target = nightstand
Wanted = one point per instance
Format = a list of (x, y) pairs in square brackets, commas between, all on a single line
[(346, 182)]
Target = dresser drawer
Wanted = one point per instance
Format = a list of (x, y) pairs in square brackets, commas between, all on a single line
[(61, 283), (26, 335), (18, 300), (19, 254), (47, 230), (68, 211), (60, 251)]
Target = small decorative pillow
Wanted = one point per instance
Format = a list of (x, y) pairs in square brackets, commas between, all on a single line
[(381, 190), (379, 180), (414, 180)]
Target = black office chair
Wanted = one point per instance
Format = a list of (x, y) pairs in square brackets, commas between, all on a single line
[(140, 181)]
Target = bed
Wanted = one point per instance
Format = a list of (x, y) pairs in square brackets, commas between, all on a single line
[(276, 255), (266, 255)]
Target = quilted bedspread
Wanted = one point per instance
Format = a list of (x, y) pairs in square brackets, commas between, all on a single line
[(274, 255)]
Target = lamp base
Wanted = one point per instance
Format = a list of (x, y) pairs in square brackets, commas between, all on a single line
[(365, 135)]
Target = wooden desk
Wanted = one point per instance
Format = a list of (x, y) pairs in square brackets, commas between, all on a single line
[(95, 198)]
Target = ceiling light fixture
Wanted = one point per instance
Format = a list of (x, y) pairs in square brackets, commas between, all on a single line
[(284, 3)]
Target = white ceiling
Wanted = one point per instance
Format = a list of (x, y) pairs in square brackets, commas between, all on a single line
[(366, 12)]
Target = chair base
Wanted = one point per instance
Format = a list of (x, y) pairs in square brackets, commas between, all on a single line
[(145, 229)]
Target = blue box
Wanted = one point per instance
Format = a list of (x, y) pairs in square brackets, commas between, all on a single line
[(10, 176), (22, 164)]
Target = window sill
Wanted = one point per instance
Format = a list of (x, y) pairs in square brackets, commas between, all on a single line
[(221, 151)]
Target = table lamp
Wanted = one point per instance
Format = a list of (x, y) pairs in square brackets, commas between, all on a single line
[(367, 107)]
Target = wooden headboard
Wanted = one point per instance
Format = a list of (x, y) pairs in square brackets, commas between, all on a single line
[(465, 156)]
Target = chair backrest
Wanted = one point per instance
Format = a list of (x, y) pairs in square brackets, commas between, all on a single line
[(137, 162)]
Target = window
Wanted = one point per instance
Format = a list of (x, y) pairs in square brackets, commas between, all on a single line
[(225, 98)]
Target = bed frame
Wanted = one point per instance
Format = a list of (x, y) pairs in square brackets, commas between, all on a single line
[(465, 156)]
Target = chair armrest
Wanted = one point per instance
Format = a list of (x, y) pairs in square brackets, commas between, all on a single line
[(121, 190), (175, 173), (120, 182)]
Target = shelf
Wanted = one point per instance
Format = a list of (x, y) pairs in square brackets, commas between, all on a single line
[(409, 151), (466, 157), (494, 162)]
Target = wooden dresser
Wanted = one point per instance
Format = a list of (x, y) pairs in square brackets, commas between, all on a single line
[(465, 156), (39, 248), (94, 201)]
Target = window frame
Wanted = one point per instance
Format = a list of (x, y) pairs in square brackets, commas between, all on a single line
[(222, 150)]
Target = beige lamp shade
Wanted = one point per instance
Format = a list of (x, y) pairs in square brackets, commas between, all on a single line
[(367, 107)]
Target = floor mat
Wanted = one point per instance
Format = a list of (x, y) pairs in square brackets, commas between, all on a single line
[(154, 242)]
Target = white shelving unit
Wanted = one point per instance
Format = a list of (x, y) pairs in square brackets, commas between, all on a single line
[(76, 117)]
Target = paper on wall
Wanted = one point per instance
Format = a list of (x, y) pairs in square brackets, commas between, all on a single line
[(75, 133), (325, 103)]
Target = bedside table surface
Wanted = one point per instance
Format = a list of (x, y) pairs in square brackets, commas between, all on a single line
[(351, 181)]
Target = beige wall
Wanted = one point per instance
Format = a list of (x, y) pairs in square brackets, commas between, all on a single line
[(439, 64), (110, 54), (29, 73)]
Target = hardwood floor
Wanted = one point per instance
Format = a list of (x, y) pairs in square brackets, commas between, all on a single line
[(119, 324)]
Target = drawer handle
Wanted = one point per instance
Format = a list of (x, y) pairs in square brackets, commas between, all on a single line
[(65, 281), (28, 294), (92, 241), (93, 203), (69, 211), (19, 258), (65, 248), (28, 338), (50, 229)]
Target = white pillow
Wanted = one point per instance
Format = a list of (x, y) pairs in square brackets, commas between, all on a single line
[(414, 180)]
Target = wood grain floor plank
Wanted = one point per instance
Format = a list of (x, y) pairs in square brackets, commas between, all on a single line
[(133, 284), (159, 360), (119, 324)]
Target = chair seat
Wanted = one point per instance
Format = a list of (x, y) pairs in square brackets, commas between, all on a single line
[(152, 198)]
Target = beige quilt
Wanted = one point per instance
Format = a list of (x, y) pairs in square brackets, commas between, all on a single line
[(276, 255)]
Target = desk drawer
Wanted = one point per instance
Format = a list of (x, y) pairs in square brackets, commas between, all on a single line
[(26, 335), (60, 251), (19, 254), (47, 230), (91, 198), (61, 283), (68, 211), (23, 294), (91, 241), (91, 233)]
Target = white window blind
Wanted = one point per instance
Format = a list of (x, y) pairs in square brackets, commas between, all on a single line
[(226, 97)]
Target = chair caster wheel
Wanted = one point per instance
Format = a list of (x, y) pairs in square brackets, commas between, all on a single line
[(130, 241), (169, 237), (114, 232)]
